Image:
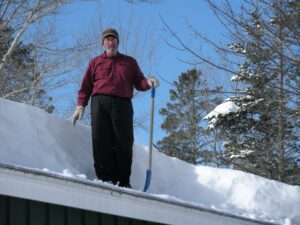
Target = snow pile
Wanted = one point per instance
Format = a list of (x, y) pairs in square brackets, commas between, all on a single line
[(222, 109), (32, 138)]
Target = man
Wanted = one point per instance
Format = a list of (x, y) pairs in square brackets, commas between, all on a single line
[(110, 79)]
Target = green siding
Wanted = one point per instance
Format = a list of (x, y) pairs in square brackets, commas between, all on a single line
[(38, 211), (17, 211), (139, 223), (123, 221), (91, 218), (57, 215), (4, 209), (75, 216), (107, 219)]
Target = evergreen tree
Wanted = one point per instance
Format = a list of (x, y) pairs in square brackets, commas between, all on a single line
[(17, 78), (263, 136), (187, 138)]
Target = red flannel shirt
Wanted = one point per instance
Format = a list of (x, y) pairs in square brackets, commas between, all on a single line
[(111, 76)]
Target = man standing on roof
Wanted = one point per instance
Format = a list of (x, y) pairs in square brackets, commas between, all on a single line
[(110, 79)]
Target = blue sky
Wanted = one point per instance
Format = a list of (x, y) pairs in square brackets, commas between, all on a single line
[(80, 15)]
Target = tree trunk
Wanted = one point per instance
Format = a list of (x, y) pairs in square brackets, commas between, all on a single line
[(281, 155)]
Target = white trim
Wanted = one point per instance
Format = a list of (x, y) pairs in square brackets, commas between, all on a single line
[(54, 189)]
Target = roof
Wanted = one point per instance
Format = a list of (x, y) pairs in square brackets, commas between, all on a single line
[(41, 186)]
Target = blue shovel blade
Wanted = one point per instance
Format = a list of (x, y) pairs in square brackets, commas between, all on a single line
[(148, 180)]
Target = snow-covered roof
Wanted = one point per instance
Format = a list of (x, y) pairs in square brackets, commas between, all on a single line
[(32, 138), (100, 197)]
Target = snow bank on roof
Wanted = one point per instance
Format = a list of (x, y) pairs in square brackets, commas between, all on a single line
[(32, 138)]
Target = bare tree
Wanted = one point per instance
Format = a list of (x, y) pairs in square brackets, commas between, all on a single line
[(20, 15), (52, 63)]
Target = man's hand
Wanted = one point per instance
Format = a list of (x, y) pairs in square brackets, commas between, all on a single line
[(153, 82), (78, 114)]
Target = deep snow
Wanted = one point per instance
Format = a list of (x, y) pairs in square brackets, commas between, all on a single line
[(32, 138)]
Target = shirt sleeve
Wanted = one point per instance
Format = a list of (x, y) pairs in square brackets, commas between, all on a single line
[(86, 86), (140, 82)]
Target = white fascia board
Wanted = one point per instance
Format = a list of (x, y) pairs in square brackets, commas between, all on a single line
[(55, 189)]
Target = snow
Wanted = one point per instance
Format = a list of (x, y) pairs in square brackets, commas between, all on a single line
[(243, 153), (234, 78), (32, 138), (222, 109), (237, 48)]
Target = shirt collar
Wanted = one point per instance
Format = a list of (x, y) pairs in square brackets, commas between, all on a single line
[(105, 56)]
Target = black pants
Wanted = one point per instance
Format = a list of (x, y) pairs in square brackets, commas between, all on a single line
[(112, 137)]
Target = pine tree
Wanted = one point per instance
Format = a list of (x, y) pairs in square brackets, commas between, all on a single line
[(187, 138), (263, 136)]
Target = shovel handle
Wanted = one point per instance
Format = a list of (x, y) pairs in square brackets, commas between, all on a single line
[(151, 127), (153, 92)]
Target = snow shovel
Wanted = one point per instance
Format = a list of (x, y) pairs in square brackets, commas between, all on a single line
[(149, 172)]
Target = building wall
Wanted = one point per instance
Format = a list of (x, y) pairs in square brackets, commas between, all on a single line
[(17, 211)]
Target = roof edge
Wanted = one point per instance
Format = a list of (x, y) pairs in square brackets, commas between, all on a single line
[(41, 186)]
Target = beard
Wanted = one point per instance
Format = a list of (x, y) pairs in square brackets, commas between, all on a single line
[(111, 49)]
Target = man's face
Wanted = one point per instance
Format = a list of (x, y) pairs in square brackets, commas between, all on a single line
[(110, 44)]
